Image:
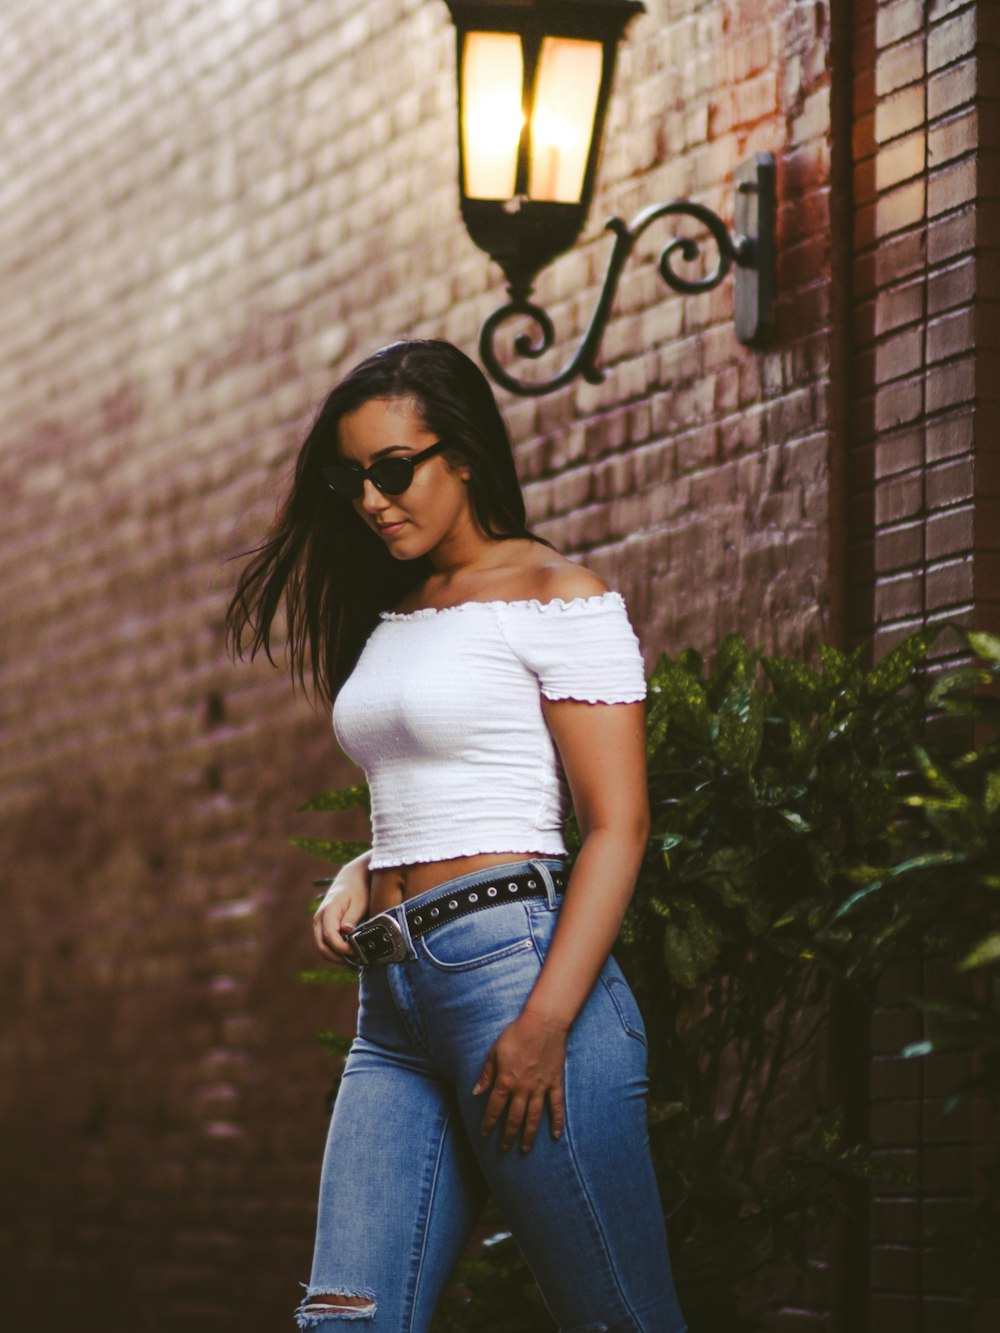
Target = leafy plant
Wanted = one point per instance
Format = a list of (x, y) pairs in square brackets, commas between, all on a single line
[(804, 823), (942, 889), (771, 785), (339, 851)]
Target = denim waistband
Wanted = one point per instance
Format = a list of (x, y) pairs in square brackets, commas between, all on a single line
[(547, 867)]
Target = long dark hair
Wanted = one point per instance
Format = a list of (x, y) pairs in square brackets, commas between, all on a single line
[(333, 572)]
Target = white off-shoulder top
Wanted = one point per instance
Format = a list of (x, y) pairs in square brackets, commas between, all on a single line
[(443, 712)]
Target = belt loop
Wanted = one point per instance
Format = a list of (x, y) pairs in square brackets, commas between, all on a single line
[(398, 914), (550, 889)]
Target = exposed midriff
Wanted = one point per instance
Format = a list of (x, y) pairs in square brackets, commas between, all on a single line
[(394, 884)]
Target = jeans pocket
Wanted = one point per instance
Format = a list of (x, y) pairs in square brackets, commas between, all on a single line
[(478, 940), (625, 1004)]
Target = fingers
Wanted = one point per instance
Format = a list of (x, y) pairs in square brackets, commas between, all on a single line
[(498, 1097), (343, 907), (488, 1075), (526, 1115), (532, 1120), (525, 1109), (515, 1120), (328, 933), (557, 1111), (494, 1110)]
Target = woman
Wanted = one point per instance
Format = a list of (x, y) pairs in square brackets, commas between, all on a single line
[(475, 673)]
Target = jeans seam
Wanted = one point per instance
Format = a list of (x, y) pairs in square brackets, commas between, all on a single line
[(592, 1211), (412, 1025), (595, 1219), (426, 1213), (636, 1034), (473, 964)]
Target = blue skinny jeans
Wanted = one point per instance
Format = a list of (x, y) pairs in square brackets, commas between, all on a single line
[(406, 1169)]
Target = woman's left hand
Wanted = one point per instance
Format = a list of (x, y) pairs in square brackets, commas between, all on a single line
[(523, 1069)]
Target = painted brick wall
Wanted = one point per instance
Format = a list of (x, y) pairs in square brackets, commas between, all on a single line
[(209, 212), (923, 530)]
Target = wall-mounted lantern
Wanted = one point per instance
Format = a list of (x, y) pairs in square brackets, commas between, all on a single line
[(534, 80)]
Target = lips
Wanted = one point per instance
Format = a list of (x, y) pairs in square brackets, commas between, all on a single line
[(387, 529)]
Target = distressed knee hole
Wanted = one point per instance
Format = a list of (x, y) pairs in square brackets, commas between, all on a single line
[(320, 1305)]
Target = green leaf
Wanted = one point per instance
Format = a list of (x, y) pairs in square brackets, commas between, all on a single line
[(329, 976), (734, 660), (917, 1049), (335, 1042), (956, 1042), (740, 728), (985, 952), (795, 821), (804, 739), (838, 668), (928, 861), (691, 949), (676, 698), (958, 1018), (796, 685), (729, 863), (690, 660), (850, 903), (865, 873), (337, 851), (341, 798), (936, 776), (661, 1112), (984, 644), (897, 667), (959, 679)]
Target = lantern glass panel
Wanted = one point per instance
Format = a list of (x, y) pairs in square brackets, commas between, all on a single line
[(562, 122), (492, 113)]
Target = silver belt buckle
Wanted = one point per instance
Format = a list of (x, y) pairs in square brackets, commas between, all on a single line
[(379, 940)]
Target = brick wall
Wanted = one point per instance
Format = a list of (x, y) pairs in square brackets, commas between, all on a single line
[(923, 530), (209, 213)]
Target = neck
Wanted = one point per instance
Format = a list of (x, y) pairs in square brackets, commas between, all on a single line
[(465, 552)]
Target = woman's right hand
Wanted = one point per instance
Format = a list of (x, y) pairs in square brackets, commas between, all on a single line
[(344, 906)]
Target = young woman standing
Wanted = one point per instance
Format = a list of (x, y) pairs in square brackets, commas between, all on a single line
[(480, 679)]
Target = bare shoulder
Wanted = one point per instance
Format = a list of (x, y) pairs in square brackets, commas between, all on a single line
[(564, 579)]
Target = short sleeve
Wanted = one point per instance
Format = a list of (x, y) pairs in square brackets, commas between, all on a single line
[(582, 649)]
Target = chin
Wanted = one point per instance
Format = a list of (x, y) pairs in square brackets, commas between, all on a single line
[(406, 553)]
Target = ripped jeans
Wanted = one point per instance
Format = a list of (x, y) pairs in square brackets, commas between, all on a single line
[(406, 1169)]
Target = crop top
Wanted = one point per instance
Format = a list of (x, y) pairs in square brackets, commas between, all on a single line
[(443, 712)]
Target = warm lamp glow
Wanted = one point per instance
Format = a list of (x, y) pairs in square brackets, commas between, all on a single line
[(566, 88), (492, 76), (534, 79)]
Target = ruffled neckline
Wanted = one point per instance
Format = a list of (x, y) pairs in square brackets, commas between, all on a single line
[(532, 603)]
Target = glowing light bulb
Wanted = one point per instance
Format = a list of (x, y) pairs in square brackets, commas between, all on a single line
[(492, 119), (552, 130), (566, 91)]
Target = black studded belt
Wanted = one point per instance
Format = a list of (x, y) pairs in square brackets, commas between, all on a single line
[(381, 939)]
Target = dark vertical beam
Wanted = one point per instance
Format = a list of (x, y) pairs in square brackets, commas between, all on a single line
[(850, 1047)]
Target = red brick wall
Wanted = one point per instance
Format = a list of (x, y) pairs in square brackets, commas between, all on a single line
[(208, 214), (923, 531), (918, 119)]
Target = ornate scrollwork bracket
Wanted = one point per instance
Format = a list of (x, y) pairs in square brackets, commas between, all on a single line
[(750, 248)]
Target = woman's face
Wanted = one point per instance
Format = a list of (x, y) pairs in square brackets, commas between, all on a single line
[(435, 509)]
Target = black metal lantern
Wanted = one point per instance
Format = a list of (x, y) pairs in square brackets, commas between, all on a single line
[(534, 81)]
